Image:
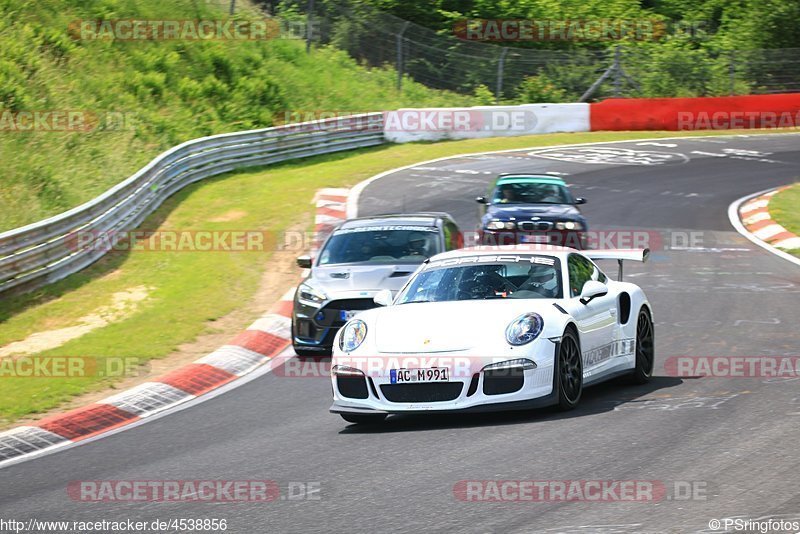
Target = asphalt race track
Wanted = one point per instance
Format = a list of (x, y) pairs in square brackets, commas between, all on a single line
[(734, 440)]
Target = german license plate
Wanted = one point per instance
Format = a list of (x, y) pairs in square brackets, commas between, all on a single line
[(346, 315), (406, 376)]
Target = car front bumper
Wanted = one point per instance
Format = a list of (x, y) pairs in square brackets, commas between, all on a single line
[(477, 391), (314, 327)]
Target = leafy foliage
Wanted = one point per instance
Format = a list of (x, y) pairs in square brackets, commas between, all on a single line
[(165, 91)]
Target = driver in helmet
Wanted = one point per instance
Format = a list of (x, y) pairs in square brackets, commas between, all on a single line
[(417, 245), (484, 282), (542, 279)]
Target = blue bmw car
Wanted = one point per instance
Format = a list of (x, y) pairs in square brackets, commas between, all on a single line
[(530, 208)]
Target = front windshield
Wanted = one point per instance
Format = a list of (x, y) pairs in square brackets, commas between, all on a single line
[(531, 193), (381, 244), (505, 277)]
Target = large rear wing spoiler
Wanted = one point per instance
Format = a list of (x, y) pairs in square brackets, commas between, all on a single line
[(631, 254)]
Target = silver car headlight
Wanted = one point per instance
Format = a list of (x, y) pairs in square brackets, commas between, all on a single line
[(524, 329), (353, 334), (309, 295), (569, 225), (500, 225)]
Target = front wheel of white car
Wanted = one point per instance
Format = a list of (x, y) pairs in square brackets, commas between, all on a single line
[(569, 369), (364, 418), (645, 349)]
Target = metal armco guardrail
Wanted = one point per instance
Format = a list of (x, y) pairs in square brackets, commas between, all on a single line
[(43, 252)]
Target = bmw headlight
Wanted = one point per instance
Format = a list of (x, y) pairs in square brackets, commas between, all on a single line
[(524, 329), (353, 335), (310, 295), (500, 225), (569, 225)]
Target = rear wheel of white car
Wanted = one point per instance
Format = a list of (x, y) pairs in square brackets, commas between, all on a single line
[(364, 418), (645, 349), (570, 371)]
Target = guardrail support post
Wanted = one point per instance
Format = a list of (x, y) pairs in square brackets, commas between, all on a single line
[(400, 56), (309, 21), (500, 63)]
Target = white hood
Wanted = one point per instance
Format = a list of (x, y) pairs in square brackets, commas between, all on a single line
[(447, 326)]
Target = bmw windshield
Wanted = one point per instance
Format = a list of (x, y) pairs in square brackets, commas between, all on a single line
[(486, 277), (381, 244), (531, 193)]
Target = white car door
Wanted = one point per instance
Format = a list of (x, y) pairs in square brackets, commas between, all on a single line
[(596, 320)]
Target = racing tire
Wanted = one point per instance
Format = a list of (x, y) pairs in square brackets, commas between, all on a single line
[(645, 349), (364, 418), (569, 369)]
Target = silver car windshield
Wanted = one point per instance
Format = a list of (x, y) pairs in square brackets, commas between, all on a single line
[(501, 280), (381, 244)]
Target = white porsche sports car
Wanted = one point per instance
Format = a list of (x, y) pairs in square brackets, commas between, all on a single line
[(494, 328)]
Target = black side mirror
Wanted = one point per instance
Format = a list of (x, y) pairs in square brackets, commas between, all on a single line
[(481, 200), (304, 262), (580, 200)]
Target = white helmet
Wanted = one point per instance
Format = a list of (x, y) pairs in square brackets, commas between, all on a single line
[(543, 277)]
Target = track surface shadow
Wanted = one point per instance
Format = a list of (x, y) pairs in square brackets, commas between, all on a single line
[(597, 399)]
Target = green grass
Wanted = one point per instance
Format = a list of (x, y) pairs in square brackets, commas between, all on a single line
[(165, 92), (785, 210), (191, 289)]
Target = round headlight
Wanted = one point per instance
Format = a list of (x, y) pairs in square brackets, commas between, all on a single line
[(569, 225), (500, 225), (524, 329), (353, 335)]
